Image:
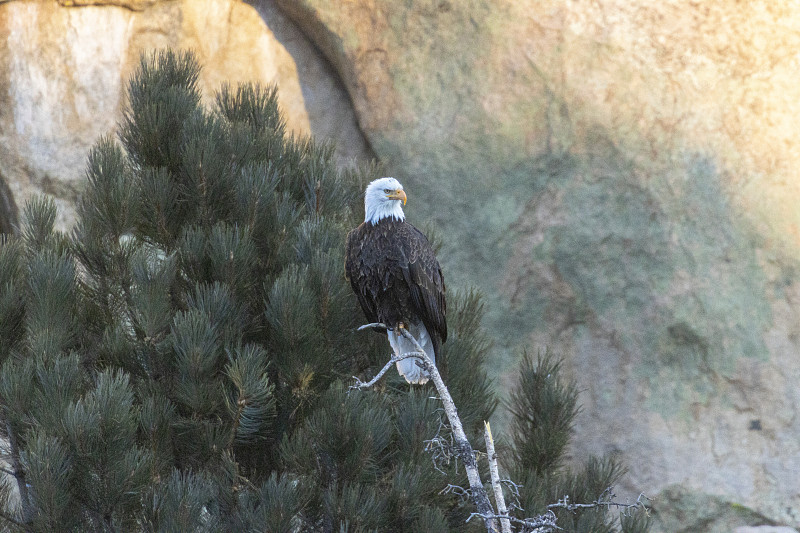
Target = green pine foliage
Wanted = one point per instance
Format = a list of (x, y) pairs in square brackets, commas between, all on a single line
[(181, 360), (543, 409)]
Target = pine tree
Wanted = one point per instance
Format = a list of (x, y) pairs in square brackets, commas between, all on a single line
[(181, 360), (543, 408)]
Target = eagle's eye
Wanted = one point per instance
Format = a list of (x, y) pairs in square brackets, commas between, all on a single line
[(387, 191)]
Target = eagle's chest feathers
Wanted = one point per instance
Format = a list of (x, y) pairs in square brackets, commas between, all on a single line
[(382, 256)]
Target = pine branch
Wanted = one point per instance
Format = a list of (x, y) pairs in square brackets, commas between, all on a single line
[(462, 446)]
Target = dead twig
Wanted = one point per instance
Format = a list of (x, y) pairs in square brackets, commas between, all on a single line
[(362, 385), (539, 524), (606, 500), (440, 449)]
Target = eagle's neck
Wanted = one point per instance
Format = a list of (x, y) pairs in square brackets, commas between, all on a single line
[(377, 211)]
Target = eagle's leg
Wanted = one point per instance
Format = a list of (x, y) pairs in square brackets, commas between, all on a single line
[(398, 327), (402, 337)]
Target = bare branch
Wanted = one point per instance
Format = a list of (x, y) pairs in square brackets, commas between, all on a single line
[(459, 491), (499, 500), (606, 500), (440, 449), (373, 325), (539, 524), (362, 386), (463, 449), (462, 446), (514, 488)]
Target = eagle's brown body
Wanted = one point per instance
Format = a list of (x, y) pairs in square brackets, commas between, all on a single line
[(396, 277)]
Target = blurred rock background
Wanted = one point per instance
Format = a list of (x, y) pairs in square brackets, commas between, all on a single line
[(618, 178)]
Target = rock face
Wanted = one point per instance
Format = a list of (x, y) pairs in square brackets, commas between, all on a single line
[(63, 70), (618, 177), (679, 511), (765, 529)]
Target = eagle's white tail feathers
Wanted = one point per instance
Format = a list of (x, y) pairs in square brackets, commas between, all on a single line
[(408, 368)]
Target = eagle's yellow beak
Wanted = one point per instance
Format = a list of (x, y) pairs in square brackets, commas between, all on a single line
[(399, 194)]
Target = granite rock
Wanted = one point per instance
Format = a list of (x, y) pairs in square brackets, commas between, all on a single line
[(63, 68)]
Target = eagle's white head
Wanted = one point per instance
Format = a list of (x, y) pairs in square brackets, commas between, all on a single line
[(384, 198)]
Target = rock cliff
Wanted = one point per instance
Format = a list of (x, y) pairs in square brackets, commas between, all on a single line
[(63, 69), (617, 177)]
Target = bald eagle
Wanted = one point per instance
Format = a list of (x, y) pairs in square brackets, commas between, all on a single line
[(398, 281)]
